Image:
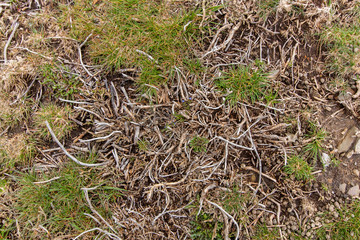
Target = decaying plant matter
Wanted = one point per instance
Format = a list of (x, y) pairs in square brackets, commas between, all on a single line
[(214, 131)]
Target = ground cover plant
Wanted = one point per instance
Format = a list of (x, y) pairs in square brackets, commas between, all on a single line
[(190, 119)]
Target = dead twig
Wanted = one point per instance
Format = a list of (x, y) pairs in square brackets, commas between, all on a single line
[(15, 27), (68, 154), (229, 216)]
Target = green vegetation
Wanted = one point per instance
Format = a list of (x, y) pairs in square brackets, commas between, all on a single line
[(136, 33), (316, 138), (299, 168), (235, 203), (264, 233), (59, 205), (347, 226), (12, 115), (15, 151), (143, 145), (205, 227), (58, 78), (244, 84), (199, 144), (58, 118), (343, 42), (267, 7), (179, 117)]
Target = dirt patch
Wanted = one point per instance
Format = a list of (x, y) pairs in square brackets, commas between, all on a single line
[(338, 123)]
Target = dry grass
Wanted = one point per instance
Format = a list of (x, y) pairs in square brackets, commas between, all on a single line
[(190, 58)]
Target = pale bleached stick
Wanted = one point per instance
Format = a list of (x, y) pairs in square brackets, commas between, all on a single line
[(229, 216), (50, 180), (110, 235), (86, 192), (16, 25), (67, 153)]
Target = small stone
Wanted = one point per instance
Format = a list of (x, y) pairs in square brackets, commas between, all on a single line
[(335, 214), (330, 97), (331, 208), (294, 227), (354, 191), (350, 154), (356, 172), (342, 187), (345, 96), (357, 147), (348, 140), (337, 205), (325, 159)]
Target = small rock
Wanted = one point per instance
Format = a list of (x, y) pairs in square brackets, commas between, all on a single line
[(331, 208), (350, 154), (342, 187), (337, 205), (345, 96), (354, 191), (348, 140), (357, 147), (325, 159), (356, 172), (335, 214)]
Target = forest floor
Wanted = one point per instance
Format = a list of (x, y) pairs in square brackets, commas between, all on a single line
[(188, 119)]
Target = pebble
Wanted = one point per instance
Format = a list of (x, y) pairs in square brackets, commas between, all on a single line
[(357, 147), (325, 159), (294, 227), (337, 205), (348, 140), (342, 187), (354, 191), (350, 154), (356, 172), (331, 208)]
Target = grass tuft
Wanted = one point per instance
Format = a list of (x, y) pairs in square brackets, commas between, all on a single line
[(135, 33), (347, 226), (59, 205), (17, 150), (299, 168), (59, 80), (343, 45), (264, 233), (199, 144), (244, 84), (314, 147), (58, 118), (205, 227)]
